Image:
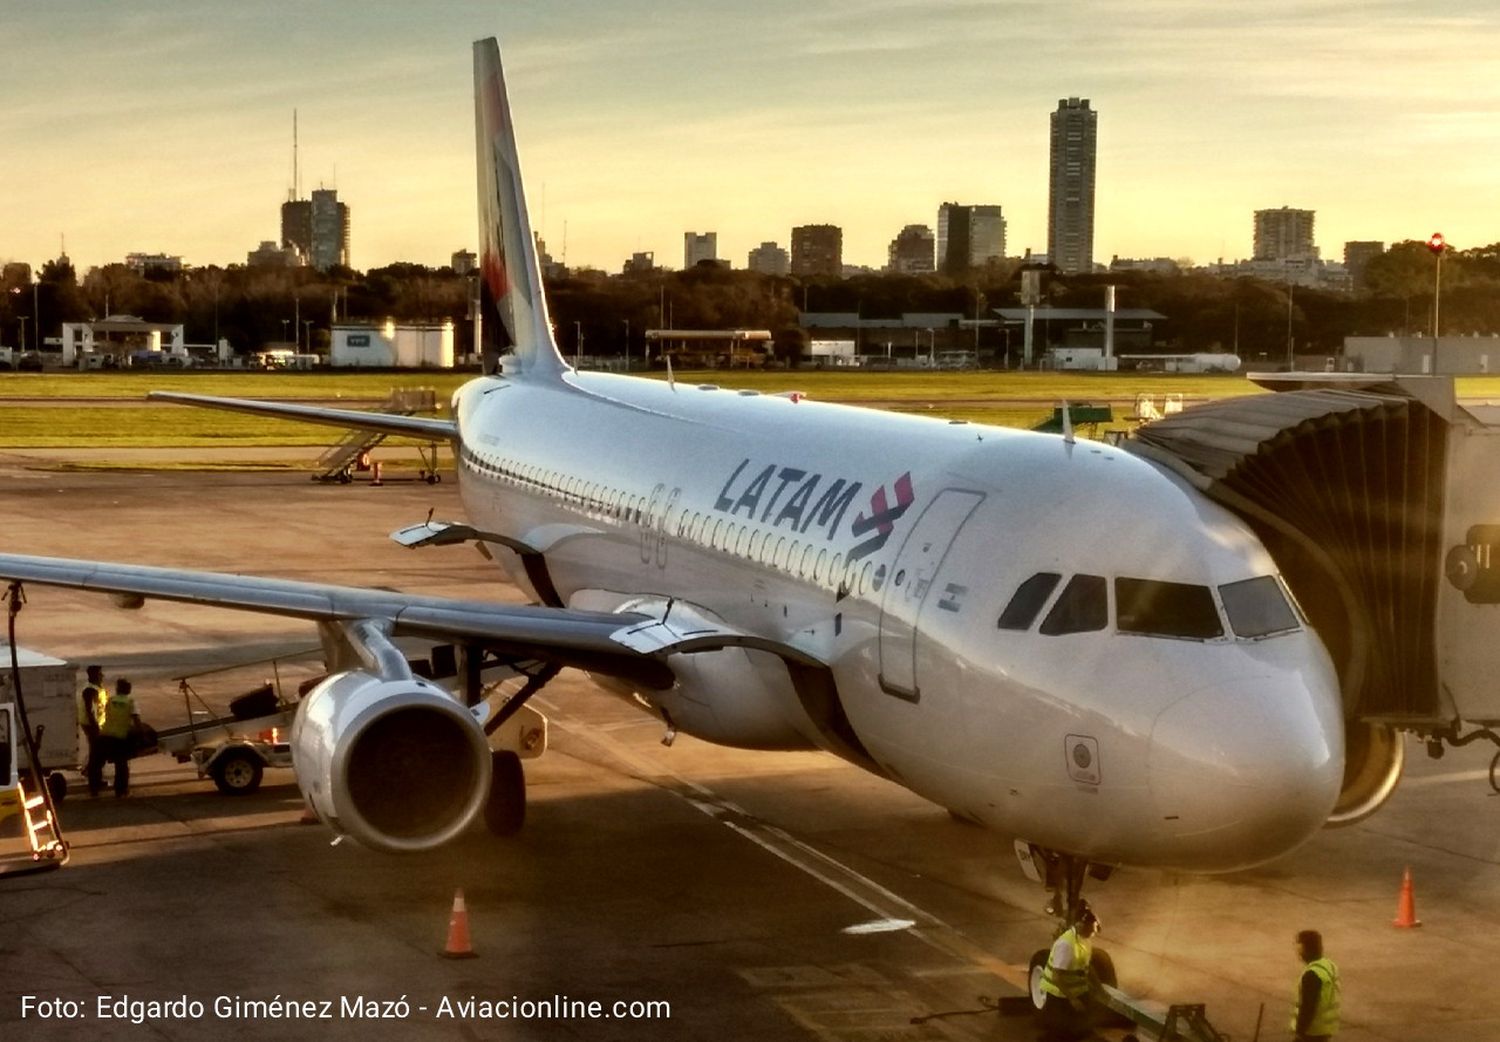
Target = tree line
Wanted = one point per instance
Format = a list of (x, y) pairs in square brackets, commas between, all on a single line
[(596, 314)]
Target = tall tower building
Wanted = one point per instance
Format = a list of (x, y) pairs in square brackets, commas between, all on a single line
[(1284, 234), (818, 249), (696, 248), (1070, 208), (318, 228)]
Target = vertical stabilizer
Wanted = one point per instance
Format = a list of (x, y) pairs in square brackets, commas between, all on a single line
[(514, 311)]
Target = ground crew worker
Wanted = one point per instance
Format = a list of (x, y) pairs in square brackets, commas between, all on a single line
[(114, 733), (1065, 981), (91, 701), (1315, 1013)]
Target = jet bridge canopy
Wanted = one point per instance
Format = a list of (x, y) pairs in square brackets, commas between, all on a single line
[(1347, 488)]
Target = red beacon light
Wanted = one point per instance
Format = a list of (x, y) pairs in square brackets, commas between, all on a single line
[(1436, 243)]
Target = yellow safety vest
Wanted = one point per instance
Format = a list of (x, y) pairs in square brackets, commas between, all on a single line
[(95, 711), (1074, 983), (1325, 1019), (117, 713)]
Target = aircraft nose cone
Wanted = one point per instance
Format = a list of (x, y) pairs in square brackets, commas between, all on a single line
[(1243, 772)]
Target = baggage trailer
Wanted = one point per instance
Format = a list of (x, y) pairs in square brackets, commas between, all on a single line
[(232, 750)]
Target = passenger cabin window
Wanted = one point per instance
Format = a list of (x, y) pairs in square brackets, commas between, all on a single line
[(1082, 607), (1257, 607), (1027, 602), (1162, 609)]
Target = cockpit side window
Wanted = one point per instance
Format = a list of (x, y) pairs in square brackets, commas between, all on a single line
[(1163, 609), (1257, 607), (1082, 607), (1029, 597)]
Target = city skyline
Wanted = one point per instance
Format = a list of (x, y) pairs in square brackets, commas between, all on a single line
[(635, 122)]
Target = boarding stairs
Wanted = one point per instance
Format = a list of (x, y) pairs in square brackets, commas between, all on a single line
[(340, 459)]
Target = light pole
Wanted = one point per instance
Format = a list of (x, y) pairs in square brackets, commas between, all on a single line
[(284, 323), (22, 341), (627, 343), (36, 322), (1438, 248), (1291, 358), (307, 327)]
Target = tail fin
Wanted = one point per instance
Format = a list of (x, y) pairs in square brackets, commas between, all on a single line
[(512, 307)]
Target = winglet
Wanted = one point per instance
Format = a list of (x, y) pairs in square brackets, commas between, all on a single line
[(513, 308)]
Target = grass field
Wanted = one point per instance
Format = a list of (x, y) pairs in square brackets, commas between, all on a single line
[(1005, 399)]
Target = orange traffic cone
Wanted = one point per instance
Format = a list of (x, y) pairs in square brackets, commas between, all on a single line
[(458, 946), (1406, 907)]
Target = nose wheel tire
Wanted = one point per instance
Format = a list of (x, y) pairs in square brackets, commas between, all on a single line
[(1034, 978)]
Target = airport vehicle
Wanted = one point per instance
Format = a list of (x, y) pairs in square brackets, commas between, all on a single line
[(1060, 640), (50, 687)]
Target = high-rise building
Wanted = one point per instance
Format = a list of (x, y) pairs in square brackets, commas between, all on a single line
[(463, 262), (1284, 234), (986, 235), (318, 228), (697, 248), (1070, 206), (818, 249), (768, 259), (953, 239), (911, 251), (1357, 257), (969, 237)]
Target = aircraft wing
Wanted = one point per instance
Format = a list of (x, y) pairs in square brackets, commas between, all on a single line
[(599, 641), (385, 423)]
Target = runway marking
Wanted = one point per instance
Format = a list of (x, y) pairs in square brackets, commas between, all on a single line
[(809, 860)]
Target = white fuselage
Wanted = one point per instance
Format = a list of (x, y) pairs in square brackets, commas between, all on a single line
[(887, 547)]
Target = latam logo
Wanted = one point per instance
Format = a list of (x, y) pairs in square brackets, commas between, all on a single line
[(801, 500)]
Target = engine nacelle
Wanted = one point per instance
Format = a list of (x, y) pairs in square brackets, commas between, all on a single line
[(733, 696), (399, 765), (1373, 757)]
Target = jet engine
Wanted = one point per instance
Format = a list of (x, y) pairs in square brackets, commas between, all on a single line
[(397, 764), (1373, 758)]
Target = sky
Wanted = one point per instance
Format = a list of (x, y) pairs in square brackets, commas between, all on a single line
[(165, 126)]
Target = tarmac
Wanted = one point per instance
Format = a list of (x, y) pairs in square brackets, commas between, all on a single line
[(760, 896)]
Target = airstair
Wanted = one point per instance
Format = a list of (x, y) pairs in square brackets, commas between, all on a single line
[(351, 452)]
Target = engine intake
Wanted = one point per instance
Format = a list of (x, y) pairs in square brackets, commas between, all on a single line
[(399, 765)]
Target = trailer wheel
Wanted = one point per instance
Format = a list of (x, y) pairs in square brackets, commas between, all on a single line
[(57, 785), (237, 772), (505, 812)]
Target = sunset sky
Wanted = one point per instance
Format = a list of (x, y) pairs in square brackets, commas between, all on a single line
[(165, 125)]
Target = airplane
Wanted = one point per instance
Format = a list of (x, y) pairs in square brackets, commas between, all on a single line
[(1056, 639)]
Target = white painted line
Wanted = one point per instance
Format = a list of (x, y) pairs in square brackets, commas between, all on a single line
[(832, 873), (880, 926)]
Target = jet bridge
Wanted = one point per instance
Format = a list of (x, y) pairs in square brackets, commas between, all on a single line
[(1379, 497)]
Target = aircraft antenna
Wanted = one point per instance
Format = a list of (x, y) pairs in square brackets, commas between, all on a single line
[(671, 381), (1067, 422)]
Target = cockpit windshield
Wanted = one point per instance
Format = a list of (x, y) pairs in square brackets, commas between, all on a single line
[(1257, 607), (1166, 609)]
